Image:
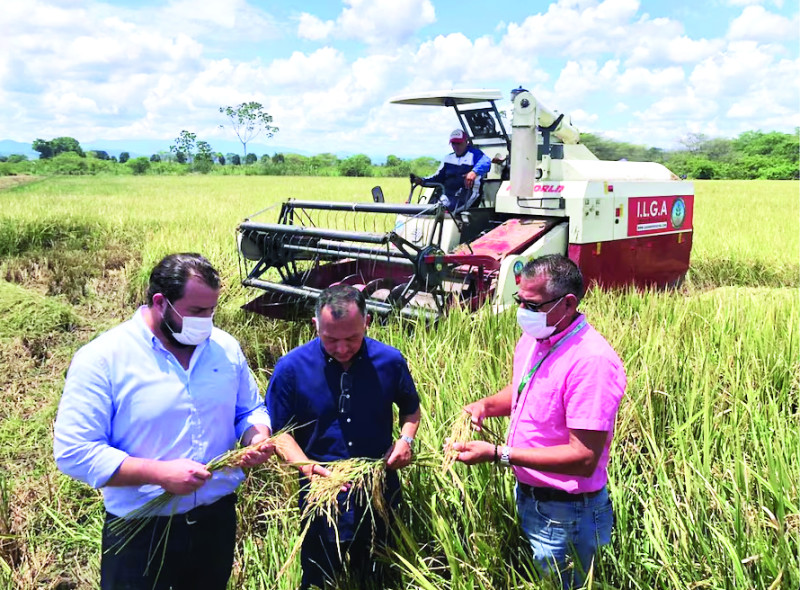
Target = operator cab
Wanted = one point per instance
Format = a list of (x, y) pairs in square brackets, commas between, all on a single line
[(480, 119)]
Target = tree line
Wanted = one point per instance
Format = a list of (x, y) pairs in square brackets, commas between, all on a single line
[(752, 155)]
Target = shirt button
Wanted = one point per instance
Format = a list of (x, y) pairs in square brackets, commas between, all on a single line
[(348, 420), (349, 444)]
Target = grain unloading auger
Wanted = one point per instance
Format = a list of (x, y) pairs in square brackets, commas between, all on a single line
[(622, 222)]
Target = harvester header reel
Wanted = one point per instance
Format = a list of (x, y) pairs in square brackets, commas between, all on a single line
[(295, 259)]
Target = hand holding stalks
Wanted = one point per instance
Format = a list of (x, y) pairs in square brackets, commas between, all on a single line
[(474, 452), (477, 412), (180, 476), (399, 455), (260, 449)]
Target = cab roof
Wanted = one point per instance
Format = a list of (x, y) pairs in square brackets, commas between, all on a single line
[(447, 98)]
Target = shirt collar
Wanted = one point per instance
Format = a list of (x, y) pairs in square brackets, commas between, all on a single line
[(144, 330)]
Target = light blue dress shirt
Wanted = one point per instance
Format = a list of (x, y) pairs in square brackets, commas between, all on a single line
[(127, 395)]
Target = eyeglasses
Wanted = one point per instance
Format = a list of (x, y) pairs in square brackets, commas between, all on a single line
[(530, 305), (345, 386)]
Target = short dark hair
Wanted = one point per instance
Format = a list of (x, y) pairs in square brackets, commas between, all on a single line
[(169, 277), (563, 275), (338, 299)]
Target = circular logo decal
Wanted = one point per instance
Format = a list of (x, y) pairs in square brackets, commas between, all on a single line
[(518, 267), (678, 215)]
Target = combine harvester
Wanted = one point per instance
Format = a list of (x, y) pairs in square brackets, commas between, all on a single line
[(623, 223)]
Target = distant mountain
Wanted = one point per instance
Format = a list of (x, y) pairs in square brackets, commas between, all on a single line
[(8, 147)]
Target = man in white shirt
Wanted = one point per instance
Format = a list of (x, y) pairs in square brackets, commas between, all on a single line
[(146, 405)]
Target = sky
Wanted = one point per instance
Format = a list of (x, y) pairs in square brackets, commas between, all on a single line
[(647, 72)]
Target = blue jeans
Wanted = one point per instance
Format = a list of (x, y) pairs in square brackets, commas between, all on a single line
[(565, 536)]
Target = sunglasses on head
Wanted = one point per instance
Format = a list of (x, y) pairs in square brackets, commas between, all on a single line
[(530, 305)]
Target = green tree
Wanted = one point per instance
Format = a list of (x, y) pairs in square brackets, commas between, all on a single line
[(220, 159), (185, 143), (138, 165), (250, 159), (44, 147), (358, 165), (204, 160), (124, 157), (155, 158), (249, 120), (67, 144)]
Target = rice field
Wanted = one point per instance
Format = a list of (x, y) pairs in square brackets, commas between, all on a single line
[(705, 465)]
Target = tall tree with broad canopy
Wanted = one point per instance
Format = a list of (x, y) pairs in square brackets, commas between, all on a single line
[(249, 120)]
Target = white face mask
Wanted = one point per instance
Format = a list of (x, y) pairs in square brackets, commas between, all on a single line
[(195, 329), (534, 323)]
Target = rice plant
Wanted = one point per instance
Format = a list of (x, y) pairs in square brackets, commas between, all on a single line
[(705, 461)]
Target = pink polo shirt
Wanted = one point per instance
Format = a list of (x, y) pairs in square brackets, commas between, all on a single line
[(579, 386)]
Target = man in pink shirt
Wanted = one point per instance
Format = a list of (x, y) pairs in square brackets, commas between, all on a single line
[(562, 402)]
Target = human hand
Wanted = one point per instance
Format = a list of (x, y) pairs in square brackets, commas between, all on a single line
[(469, 179), (474, 452), (180, 476), (399, 455), (478, 412), (259, 453), (311, 471)]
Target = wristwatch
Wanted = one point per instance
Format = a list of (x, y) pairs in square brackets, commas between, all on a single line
[(505, 456), (408, 439)]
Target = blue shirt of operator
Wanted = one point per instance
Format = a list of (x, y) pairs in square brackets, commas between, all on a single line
[(126, 395), (453, 168)]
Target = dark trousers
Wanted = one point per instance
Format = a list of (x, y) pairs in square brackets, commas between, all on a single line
[(191, 550), (328, 559)]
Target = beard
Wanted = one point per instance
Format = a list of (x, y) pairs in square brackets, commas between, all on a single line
[(168, 326)]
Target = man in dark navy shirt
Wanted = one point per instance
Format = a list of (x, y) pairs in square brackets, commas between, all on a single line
[(338, 391)]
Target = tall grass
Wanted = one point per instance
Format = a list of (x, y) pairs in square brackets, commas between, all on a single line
[(704, 471)]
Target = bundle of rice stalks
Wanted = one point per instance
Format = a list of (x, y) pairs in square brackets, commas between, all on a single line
[(364, 480), (128, 526), (460, 432)]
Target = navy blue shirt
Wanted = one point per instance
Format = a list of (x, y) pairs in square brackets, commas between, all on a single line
[(308, 391)]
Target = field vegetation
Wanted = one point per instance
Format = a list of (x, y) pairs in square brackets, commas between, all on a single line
[(706, 460)]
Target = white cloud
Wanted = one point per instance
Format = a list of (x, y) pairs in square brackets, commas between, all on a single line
[(728, 73), (573, 28), (312, 28), (379, 23), (233, 21), (578, 79), (756, 24), (454, 60), (307, 72), (640, 80)]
